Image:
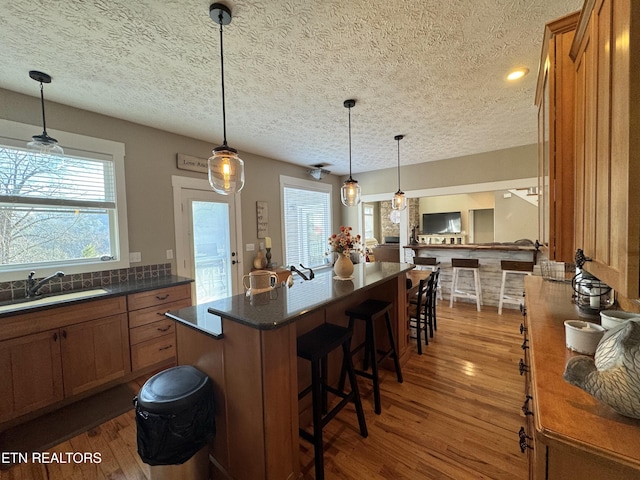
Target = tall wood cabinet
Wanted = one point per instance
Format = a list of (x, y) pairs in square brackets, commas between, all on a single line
[(606, 52), (554, 99)]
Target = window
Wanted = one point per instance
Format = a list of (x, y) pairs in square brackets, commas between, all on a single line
[(60, 212), (306, 221), (368, 221)]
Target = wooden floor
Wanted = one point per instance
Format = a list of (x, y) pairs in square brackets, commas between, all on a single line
[(456, 416)]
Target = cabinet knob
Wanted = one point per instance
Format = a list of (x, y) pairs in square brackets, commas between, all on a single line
[(162, 297), (522, 328), (523, 367), (523, 437), (524, 345), (525, 405)]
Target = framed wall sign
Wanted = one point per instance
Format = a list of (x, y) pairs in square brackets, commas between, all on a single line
[(262, 215), (195, 164)]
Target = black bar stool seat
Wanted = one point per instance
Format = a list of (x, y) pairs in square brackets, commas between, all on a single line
[(315, 346), (369, 311)]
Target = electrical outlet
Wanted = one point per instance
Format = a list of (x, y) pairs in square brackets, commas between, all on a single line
[(250, 247), (135, 257), (506, 195), (169, 254)]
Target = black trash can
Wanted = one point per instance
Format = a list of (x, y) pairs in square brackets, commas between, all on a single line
[(175, 421)]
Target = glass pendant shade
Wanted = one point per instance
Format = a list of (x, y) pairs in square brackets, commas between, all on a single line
[(226, 171), (399, 201), (350, 193), (45, 145)]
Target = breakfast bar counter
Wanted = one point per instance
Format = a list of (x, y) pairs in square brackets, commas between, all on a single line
[(247, 346), (489, 257)]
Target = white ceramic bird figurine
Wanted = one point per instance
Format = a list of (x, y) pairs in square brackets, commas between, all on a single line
[(614, 376)]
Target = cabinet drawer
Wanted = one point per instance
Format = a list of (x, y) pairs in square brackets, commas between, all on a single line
[(152, 330), (159, 296), (148, 315), (153, 351)]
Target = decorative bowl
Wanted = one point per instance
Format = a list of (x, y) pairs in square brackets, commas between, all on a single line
[(582, 337), (613, 318)]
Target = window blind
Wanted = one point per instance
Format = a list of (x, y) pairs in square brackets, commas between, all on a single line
[(307, 225)]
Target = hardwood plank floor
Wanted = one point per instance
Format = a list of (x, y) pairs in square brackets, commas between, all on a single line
[(456, 416)]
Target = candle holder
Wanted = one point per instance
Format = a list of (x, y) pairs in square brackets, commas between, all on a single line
[(269, 258)]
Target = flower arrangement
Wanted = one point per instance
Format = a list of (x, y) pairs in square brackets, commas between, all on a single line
[(344, 242)]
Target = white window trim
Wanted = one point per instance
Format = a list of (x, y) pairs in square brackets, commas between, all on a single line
[(18, 134), (286, 181)]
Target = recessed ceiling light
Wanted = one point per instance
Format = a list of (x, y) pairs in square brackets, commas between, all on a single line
[(517, 73)]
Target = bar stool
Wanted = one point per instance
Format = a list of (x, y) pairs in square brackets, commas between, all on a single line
[(512, 267), (369, 311), (432, 264), (470, 265), (315, 346)]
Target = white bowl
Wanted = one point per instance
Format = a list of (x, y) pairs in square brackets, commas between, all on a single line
[(613, 318), (582, 337)]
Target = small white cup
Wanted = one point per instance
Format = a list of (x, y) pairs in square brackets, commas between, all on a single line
[(260, 280)]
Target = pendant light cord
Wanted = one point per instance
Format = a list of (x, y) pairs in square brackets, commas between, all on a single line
[(350, 179), (44, 122), (398, 165), (224, 113)]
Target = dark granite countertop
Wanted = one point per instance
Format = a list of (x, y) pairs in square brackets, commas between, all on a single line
[(284, 305), (59, 299)]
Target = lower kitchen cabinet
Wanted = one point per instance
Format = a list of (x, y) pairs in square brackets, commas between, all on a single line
[(567, 434), (48, 356), (30, 373), (94, 353)]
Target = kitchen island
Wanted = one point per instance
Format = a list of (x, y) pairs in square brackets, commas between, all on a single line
[(247, 345), (489, 257)]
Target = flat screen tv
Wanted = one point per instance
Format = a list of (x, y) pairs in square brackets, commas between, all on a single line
[(439, 223)]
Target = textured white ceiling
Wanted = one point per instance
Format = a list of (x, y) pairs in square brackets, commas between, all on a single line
[(431, 70)]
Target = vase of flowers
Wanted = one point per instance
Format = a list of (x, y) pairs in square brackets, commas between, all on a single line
[(343, 244)]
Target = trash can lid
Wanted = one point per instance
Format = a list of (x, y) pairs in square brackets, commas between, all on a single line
[(173, 389)]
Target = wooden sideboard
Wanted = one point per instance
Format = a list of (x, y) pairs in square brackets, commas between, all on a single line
[(567, 434)]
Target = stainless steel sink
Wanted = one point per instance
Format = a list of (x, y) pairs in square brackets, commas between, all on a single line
[(52, 299)]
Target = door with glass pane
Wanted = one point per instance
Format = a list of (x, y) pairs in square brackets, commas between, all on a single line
[(211, 258)]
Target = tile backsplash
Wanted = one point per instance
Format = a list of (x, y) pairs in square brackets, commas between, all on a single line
[(15, 290)]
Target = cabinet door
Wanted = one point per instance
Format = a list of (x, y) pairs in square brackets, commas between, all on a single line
[(94, 353), (607, 223), (30, 373)]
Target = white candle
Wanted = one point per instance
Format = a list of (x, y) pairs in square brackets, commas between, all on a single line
[(267, 242)]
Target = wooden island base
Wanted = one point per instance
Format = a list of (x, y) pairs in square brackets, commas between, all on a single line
[(257, 374)]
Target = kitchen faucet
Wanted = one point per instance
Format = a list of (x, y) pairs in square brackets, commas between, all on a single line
[(294, 269), (31, 287), (311, 274)]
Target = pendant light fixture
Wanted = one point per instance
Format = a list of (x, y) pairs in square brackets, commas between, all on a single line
[(226, 169), (350, 191), (399, 199), (43, 143)]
